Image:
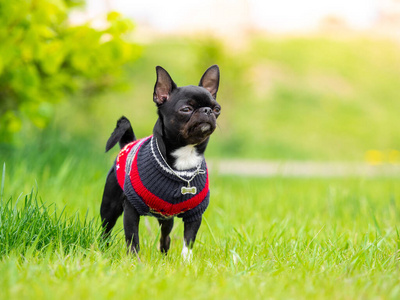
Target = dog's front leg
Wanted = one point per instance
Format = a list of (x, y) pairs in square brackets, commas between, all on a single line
[(131, 227), (189, 236), (165, 240)]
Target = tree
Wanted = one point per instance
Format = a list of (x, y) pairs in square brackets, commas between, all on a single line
[(44, 58)]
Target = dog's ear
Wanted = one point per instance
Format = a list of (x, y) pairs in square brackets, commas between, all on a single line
[(163, 87), (210, 80)]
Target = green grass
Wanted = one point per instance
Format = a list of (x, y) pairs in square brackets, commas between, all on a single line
[(261, 238), (32, 226)]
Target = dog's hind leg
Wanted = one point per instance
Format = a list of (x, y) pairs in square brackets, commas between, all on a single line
[(131, 227), (112, 204), (165, 240)]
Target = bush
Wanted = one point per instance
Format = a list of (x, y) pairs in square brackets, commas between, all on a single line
[(44, 58)]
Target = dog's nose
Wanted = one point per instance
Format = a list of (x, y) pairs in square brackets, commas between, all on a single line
[(206, 110)]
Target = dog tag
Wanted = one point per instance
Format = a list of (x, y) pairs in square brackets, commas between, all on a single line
[(188, 190)]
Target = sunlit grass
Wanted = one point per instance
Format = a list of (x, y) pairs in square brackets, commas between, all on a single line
[(276, 237), (31, 226)]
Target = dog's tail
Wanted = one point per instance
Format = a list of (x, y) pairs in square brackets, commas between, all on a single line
[(123, 133)]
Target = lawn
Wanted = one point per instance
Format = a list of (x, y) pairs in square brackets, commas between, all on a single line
[(261, 238)]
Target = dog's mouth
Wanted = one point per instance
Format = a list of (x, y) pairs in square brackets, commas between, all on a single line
[(205, 128), (198, 132)]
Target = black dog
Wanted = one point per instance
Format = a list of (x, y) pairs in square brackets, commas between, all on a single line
[(164, 175)]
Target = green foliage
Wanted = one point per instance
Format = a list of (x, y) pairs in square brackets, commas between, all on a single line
[(43, 58)]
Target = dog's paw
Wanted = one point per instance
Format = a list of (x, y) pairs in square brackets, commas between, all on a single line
[(187, 254)]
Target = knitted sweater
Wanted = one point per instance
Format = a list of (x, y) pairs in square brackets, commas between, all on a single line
[(152, 187)]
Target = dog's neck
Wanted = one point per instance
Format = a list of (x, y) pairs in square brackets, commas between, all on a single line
[(178, 155)]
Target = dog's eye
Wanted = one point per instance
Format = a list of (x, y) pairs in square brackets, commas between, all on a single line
[(186, 109), (217, 109)]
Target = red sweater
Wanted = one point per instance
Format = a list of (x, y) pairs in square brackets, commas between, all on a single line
[(154, 189)]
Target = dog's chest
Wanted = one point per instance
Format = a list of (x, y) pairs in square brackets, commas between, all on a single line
[(186, 158)]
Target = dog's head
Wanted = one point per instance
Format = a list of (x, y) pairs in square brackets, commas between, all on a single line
[(188, 114)]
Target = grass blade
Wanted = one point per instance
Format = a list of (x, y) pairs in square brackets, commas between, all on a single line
[(2, 182)]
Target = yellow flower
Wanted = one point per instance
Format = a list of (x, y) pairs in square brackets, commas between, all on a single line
[(374, 157)]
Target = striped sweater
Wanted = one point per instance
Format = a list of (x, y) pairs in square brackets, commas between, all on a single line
[(153, 188)]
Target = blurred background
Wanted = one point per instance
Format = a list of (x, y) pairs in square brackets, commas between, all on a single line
[(300, 80)]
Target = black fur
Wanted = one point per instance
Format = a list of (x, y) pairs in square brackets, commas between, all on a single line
[(186, 116), (123, 133)]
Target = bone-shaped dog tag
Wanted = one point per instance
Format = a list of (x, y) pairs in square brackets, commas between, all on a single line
[(188, 190)]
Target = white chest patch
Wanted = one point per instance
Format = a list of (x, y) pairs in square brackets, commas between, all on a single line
[(186, 158)]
